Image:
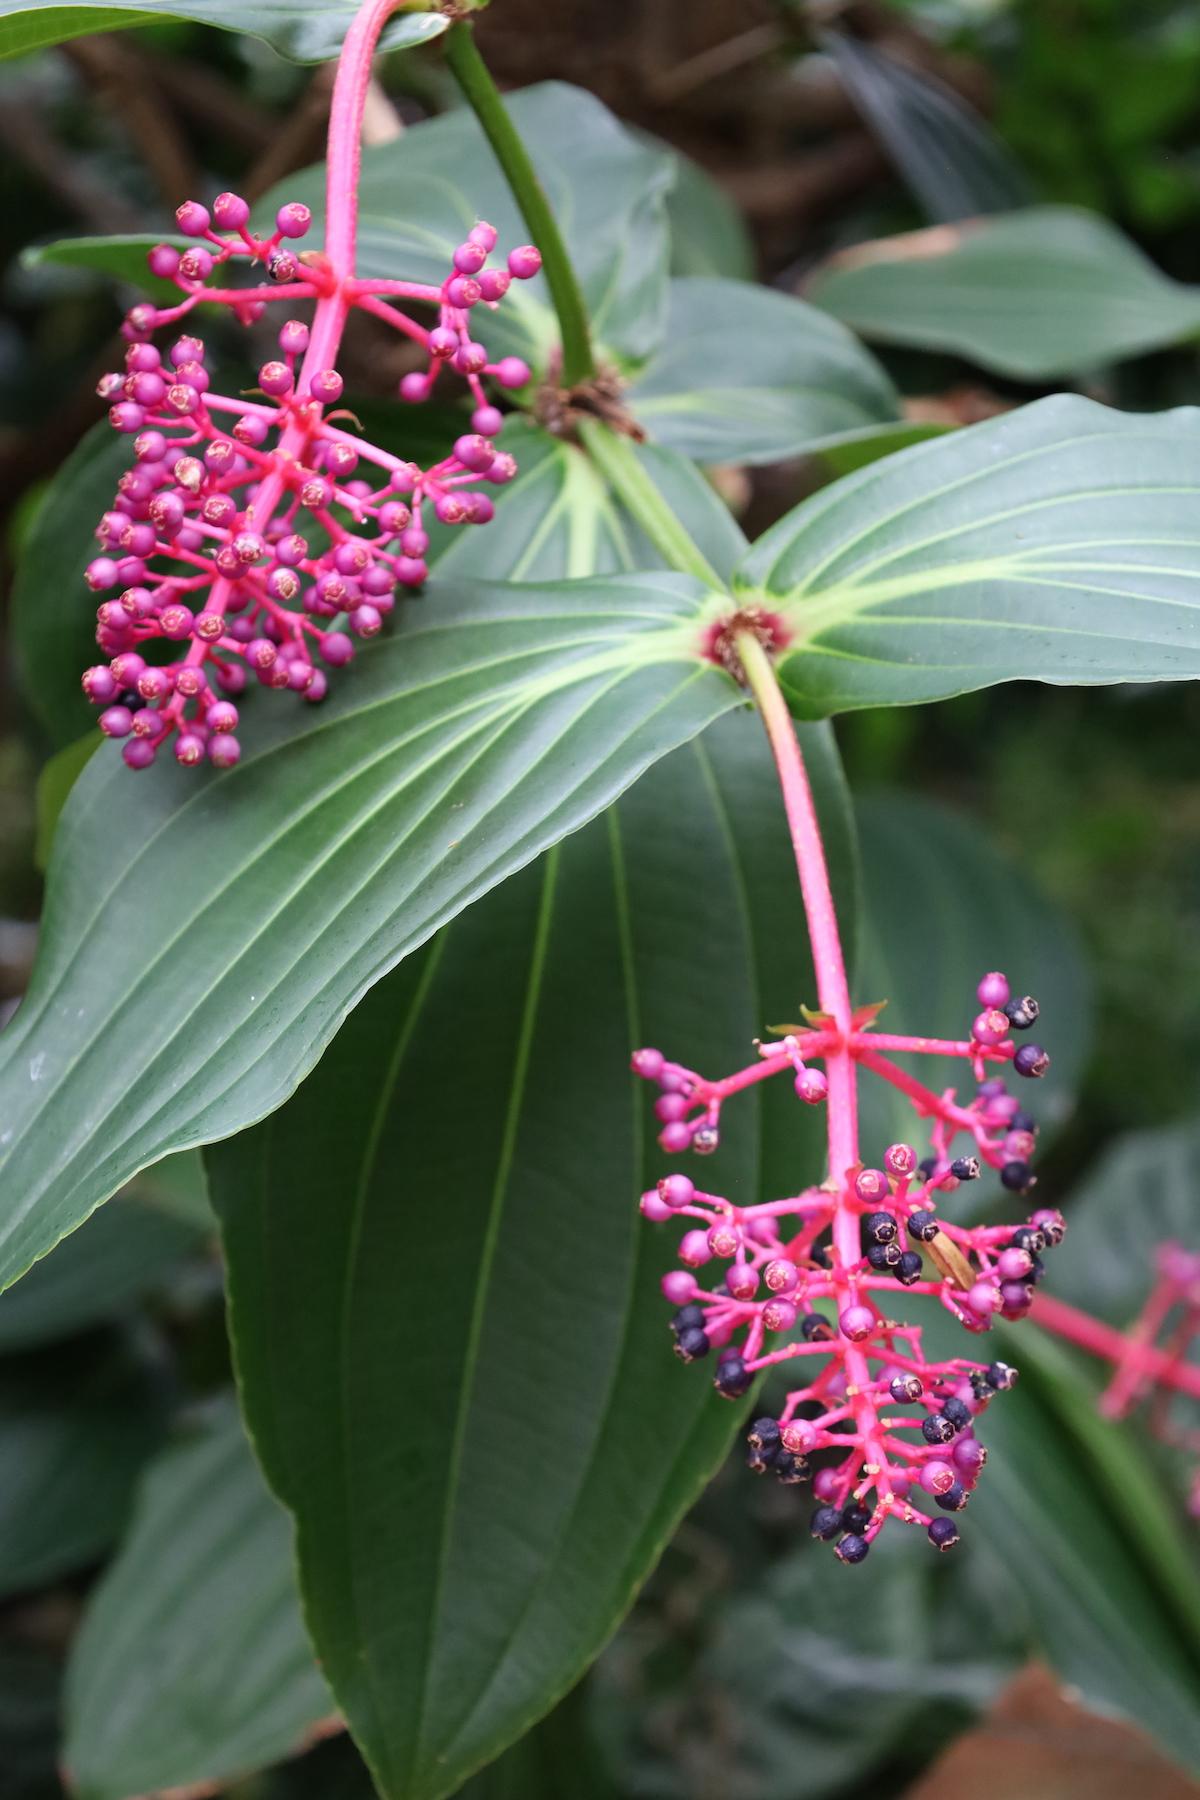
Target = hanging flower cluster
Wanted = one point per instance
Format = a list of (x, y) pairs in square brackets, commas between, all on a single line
[(809, 1281), (257, 538)]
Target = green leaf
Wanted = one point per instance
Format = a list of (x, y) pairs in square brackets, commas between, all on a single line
[(708, 234), (449, 1338), (195, 962), (1058, 543), (1102, 1615), (1141, 1193), (796, 1678), (54, 616), (969, 909), (558, 520), (123, 1253), (73, 1437), (745, 374), (55, 782), (192, 1664), (1045, 292), (302, 31)]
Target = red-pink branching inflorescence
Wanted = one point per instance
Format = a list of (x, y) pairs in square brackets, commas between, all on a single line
[(1152, 1360), (258, 537), (809, 1282)]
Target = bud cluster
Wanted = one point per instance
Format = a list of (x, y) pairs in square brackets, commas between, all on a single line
[(1155, 1360), (257, 538), (810, 1279)]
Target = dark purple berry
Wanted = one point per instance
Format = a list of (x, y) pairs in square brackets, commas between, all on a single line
[(732, 1377), (954, 1499), (1031, 1061), (958, 1413), (924, 1227), (791, 1469), (910, 1268), (687, 1317), (855, 1518), (1018, 1177), (883, 1256), (1022, 1013), (826, 1522), (880, 1227), (965, 1168), (763, 1434), (814, 1328), (691, 1343), (852, 1549), (937, 1429), (1002, 1375), (943, 1533)]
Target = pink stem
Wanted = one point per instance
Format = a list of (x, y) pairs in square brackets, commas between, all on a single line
[(833, 996), (1114, 1346)]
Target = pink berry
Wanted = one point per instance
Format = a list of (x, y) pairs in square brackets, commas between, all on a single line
[(293, 220), (993, 990), (678, 1286), (192, 218), (654, 1207), (524, 262), (230, 211), (163, 261), (857, 1323)]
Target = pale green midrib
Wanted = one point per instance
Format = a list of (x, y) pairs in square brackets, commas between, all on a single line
[(1024, 510), (812, 614), (359, 824), (825, 505), (474, 1333)]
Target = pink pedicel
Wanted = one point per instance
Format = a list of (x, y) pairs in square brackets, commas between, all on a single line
[(810, 1280), (262, 535)]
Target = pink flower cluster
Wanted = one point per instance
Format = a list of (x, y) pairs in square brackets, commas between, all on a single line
[(809, 1281), (252, 537)]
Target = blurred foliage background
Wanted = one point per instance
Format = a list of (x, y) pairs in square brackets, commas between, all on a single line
[(826, 125)]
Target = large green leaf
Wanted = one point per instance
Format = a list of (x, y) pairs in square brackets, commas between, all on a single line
[(1117, 1628), (744, 374), (192, 1664), (559, 520), (708, 233), (299, 29), (449, 1340), (72, 1441), (53, 614), (1045, 292), (799, 1676), (123, 1253), (205, 935), (1058, 543), (972, 909)]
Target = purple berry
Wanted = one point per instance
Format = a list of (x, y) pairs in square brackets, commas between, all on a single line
[(993, 990), (1031, 1061), (223, 750), (857, 1323)]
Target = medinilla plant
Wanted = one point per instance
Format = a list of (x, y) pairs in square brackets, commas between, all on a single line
[(396, 952)]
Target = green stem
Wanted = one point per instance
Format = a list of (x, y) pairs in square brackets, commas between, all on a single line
[(483, 97), (615, 457)]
